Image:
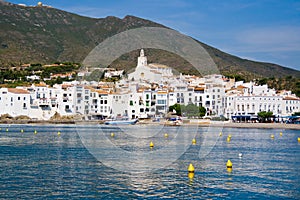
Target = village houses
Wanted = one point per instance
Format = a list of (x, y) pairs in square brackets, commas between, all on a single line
[(147, 92)]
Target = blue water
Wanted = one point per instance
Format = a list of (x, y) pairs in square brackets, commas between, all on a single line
[(48, 166)]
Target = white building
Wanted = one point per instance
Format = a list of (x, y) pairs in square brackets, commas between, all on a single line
[(151, 72), (14, 102), (249, 99)]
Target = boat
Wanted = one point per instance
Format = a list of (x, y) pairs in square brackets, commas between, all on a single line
[(121, 121), (174, 121)]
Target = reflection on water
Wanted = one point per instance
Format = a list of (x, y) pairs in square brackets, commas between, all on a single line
[(45, 165)]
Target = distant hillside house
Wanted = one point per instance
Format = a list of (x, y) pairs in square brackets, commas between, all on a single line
[(111, 72), (33, 77), (153, 72)]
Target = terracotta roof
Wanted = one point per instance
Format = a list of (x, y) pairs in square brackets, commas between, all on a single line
[(199, 89), (101, 92), (241, 86), (17, 91), (162, 92), (291, 98)]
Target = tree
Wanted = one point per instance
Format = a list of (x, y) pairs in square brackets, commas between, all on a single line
[(265, 116), (190, 110), (176, 107), (296, 114), (202, 111)]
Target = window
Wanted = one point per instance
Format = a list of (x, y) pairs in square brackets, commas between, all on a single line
[(161, 102), (131, 103), (19, 98), (147, 96), (141, 109), (105, 101), (133, 111)]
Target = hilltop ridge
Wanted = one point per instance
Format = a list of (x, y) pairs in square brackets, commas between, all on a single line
[(45, 35)]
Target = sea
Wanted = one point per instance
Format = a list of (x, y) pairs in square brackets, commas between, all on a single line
[(91, 161)]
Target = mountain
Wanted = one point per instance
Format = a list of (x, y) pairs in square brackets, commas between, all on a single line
[(41, 34)]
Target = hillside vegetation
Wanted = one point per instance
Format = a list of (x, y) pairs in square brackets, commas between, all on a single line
[(47, 35)]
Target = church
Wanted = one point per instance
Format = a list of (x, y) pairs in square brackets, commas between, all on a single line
[(149, 72)]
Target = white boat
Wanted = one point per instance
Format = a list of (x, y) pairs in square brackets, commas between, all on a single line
[(174, 122), (121, 121)]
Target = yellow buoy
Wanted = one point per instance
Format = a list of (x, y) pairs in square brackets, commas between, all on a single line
[(191, 168), (220, 134), (35, 132), (298, 139), (22, 131), (272, 136), (280, 133), (166, 135), (229, 164), (58, 133), (151, 144), (0, 129), (191, 175), (112, 135), (194, 141), (7, 130), (229, 169), (228, 139), (229, 135)]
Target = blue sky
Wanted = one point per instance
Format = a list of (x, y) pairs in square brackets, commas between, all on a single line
[(261, 30)]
